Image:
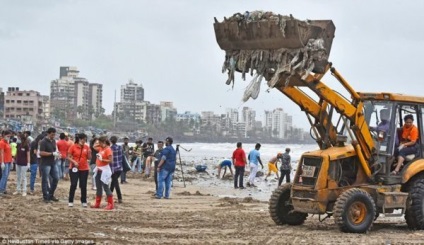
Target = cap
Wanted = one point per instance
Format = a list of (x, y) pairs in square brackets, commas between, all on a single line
[(169, 140), (125, 137)]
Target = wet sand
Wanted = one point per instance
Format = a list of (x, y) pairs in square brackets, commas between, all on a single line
[(195, 214)]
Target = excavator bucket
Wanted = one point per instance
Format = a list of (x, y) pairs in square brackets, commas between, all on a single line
[(269, 44)]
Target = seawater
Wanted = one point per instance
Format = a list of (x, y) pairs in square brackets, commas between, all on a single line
[(210, 154)]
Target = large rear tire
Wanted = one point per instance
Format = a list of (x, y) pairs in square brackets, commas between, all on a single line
[(414, 214), (281, 210), (354, 211)]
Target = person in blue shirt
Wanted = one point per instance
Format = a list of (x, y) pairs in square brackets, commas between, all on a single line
[(224, 163), (254, 159), (166, 169)]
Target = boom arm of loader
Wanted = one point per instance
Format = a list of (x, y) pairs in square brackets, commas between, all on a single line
[(352, 110)]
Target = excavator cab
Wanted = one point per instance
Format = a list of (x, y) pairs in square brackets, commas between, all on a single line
[(386, 122)]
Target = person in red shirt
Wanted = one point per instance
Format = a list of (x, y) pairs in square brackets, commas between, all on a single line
[(408, 144), (239, 162), (62, 147), (78, 156), (5, 160), (103, 172)]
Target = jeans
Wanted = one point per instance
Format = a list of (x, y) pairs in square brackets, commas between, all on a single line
[(60, 163), (82, 176), (21, 183), (115, 184), (239, 176), (47, 172), (283, 173), (100, 185), (164, 179), (253, 171), (4, 177), (137, 162), (33, 168), (123, 177)]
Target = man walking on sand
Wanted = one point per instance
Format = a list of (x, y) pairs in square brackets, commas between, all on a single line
[(166, 169), (254, 158), (239, 162)]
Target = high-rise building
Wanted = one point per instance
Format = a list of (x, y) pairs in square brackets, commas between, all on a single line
[(73, 96), (95, 98), (280, 123), (233, 115), (26, 105), (249, 118), (132, 92)]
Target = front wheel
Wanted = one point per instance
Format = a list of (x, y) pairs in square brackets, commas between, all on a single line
[(414, 214), (354, 211), (281, 210)]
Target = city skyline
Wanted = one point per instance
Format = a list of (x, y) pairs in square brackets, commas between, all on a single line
[(176, 58)]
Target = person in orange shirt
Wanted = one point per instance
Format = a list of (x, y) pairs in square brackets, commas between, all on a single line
[(408, 143), (103, 172), (78, 156), (5, 160)]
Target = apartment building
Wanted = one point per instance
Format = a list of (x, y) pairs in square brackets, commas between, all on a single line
[(26, 105), (167, 110), (75, 96), (279, 122), (248, 116), (132, 92), (132, 110)]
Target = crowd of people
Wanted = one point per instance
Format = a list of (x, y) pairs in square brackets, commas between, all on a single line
[(253, 160), (75, 159)]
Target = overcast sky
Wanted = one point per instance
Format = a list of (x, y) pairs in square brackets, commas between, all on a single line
[(170, 48)]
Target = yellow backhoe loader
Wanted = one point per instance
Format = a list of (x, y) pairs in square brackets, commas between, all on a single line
[(350, 177)]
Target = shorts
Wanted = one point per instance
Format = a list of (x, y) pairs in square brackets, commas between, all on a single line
[(226, 164), (272, 167)]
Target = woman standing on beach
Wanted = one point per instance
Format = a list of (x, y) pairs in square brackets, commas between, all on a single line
[(78, 156), (103, 173), (5, 160), (22, 165)]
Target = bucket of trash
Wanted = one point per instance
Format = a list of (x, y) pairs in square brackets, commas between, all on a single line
[(201, 168), (267, 43)]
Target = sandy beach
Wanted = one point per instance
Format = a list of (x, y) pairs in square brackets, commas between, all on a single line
[(195, 214)]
